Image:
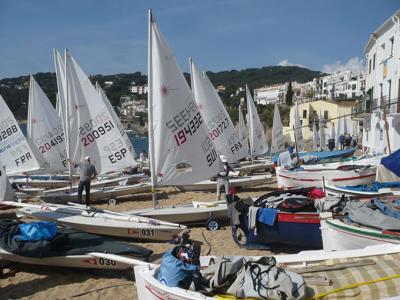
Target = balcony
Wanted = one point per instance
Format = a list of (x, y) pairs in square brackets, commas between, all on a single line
[(367, 106)]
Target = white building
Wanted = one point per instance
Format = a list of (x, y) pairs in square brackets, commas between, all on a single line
[(382, 53), (276, 93), (138, 89), (340, 85)]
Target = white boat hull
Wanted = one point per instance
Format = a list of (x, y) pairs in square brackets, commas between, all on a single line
[(314, 177), (186, 214), (240, 182), (337, 235), (70, 261), (149, 288), (92, 222), (95, 194)]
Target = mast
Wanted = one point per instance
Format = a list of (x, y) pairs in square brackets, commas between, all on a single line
[(150, 111), (66, 115)]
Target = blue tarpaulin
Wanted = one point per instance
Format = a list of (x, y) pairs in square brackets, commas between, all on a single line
[(36, 231), (392, 162), (372, 187), (322, 155)]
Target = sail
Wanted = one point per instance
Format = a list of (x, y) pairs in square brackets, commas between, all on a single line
[(15, 151), (180, 148), (338, 132), (45, 131), (278, 141), (345, 129), (298, 130), (316, 140), (219, 124), (322, 131), (116, 119), (258, 144), (92, 129), (6, 192), (243, 130), (333, 135)]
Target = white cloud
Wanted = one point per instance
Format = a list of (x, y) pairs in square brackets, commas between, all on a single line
[(355, 64), (286, 63)]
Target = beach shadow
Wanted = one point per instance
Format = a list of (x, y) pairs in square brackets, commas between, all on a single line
[(51, 277)]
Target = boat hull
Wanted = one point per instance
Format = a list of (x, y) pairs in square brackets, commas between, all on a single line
[(337, 235), (242, 182), (291, 229), (186, 214), (314, 177), (89, 222)]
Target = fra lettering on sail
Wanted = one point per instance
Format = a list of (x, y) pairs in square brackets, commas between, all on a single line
[(23, 159)]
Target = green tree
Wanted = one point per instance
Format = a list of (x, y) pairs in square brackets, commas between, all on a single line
[(289, 95)]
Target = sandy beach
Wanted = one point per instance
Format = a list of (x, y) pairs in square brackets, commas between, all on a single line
[(37, 282)]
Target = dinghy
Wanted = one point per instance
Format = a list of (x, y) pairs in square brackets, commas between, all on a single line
[(181, 150), (324, 155), (365, 223), (351, 173), (103, 222), (280, 218), (237, 182), (68, 249), (339, 272)]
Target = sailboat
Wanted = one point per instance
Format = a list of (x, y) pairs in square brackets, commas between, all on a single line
[(181, 150), (101, 135), (15, 151), (298, 132), (277, 141)]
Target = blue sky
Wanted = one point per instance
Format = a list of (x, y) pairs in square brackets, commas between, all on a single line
[(108, 37)]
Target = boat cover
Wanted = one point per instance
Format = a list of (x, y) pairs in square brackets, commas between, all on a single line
[(323, 155), (372, 187), (391, 209), (66, 242), (392, 162), (362, 212)]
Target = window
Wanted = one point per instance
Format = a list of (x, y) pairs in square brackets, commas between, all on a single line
[(325, 115), (301, 122), (353, 87), (304, 114), (373, 62), (390, 89), (369, 67), (391, 46)]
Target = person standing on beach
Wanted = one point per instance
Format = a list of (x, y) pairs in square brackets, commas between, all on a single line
[(142, 159), (223, 177), (87, 173)]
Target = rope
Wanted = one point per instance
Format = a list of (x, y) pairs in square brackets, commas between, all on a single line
[(352, 286), (208, 243)]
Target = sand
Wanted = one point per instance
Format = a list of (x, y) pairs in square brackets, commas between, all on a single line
[(37, 282)]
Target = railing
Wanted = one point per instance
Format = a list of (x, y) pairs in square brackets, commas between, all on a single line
[(370, 105)]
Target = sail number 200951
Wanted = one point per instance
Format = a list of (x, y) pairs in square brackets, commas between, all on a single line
[(96, 133)]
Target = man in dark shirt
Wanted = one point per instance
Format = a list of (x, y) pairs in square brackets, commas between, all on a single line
[(87, 173)]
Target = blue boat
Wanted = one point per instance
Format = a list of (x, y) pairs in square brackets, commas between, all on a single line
[(300, 229), (323, 155)]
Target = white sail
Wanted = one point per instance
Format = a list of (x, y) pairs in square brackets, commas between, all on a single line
[(219, 124), (180, 148), (243, 130), (316, 140), (117, 121), (322, 131), (333, 134), (345, 129), (6, 192), (278, 141), (298, 130), (258, 144), (92, 129), (338, 133), (15, 151), (45, 131)]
